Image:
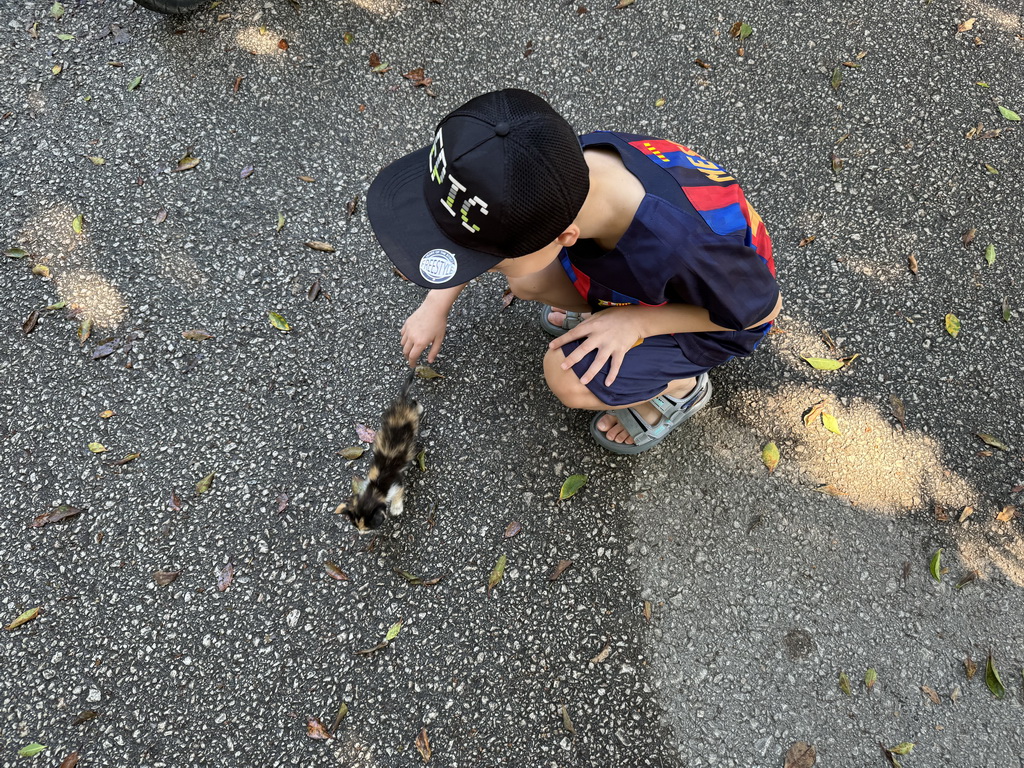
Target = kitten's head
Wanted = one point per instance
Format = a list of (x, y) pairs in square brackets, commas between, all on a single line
[(367, 511)]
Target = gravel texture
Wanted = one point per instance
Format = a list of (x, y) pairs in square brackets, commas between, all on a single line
[(762, 589)]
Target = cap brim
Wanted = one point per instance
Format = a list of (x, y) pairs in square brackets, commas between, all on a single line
[(407, 232)]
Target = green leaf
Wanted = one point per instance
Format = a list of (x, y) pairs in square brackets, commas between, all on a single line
[(78, 224), (994, 441), (16, 253), (830, 423), (65, 37), (1006, 309), (95, 160), (280, 221), (58, 305), (990, 254), (382, 67), (745, 31), (97, 447), (952, 325), (982, 84), (135, 83), (33, 749), (844, 684), (497, 574), (824, 364), (57, 10), (571, 485), (837, 78), (347, 38), (393, 632), (352, 453), (903, 748), (935, 568), (1009, 114), (426, 372), (278, 322), (991, 169), (770, 456), (992, 678), (204, 485), (27, 616), (421, 460), (870, 677)]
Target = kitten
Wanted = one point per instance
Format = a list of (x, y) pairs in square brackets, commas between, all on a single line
[(393, 448)]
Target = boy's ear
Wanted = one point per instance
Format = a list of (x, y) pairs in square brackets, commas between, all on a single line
[(569, 237)]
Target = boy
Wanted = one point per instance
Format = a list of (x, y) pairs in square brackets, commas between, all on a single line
[(655, 242)]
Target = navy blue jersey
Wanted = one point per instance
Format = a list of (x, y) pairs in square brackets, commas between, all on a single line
[(694, 240)]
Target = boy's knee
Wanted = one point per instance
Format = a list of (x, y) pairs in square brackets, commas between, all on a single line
[(566, 386)]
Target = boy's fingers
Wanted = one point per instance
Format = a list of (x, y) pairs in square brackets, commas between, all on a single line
[(593, 370), (577, 354), (613, 370)]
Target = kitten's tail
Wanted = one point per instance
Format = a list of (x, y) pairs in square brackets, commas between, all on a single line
[(408, 385)]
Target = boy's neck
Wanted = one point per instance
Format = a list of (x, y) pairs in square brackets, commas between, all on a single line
[(613, 199)]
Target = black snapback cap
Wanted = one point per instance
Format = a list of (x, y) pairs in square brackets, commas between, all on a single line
[(504, 176)]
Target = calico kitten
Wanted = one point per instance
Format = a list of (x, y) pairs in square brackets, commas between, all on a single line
[(393, 448)]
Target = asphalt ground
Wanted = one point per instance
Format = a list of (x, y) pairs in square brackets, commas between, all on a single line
[(762, 587)]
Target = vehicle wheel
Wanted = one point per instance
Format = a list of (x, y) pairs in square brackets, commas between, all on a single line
[(171, 6)]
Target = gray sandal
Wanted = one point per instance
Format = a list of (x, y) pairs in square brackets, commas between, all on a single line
[(571, 320), (673, 413)]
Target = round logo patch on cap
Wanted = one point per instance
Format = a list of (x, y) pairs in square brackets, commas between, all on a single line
[(438, 265)]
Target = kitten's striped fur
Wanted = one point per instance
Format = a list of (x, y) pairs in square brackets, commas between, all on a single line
[(393, 448)]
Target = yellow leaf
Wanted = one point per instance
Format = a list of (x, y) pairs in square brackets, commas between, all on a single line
[(26, 616), (770, 456), (278, 322), (952, 325), (830, 423), (97, 447)]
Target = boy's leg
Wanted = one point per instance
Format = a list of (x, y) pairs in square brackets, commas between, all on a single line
[(566, 387), (549, 286)]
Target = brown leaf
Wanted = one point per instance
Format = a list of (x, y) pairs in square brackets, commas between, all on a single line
[(63, 512), (701, 63), (307, 179), (30, 322), (423, 745), (196, 334), (968, 578), (174, 503), (335, 572), (418, 77), (968, 511), (602, 654), (559, 569), (623, 4), (352, 206), (974, 132), (648, 610), (314, 291), (161, 216), (374, 60), (970, 668), (931, 693), (187, 163), (899, 411), (582, 9), (225, 576), (1007, 513), (163, 578), (1017, 489), (968, 236), (912, 263), (238, 83), (125, 460), (734, 30), (811, 416), (966, 26), (940, 513), (513, 528), (70, 761), (282, 502), (507, 298), (318, 245), (804, 242), (801, 755), (282, 44), (315, 729)]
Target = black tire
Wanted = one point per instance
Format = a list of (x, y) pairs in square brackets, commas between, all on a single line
[(172, 6)]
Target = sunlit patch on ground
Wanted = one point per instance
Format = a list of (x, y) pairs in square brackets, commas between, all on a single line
[(987, 545), (265, 43), (1005, 20), (379, 7), (873, 464), (49, 235), (91, 296)]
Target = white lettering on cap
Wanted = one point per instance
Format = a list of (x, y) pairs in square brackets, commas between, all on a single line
[(438, 265)]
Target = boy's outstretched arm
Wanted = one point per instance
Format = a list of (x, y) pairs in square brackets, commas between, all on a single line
[(427, 325)]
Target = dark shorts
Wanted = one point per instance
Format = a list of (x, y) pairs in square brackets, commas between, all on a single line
[(645, 372)]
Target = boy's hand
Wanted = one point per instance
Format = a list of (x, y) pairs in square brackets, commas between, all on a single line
[(424, 328), (612, 332)]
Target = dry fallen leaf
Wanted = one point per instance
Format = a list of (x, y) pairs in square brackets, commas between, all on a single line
[(513, 528), (225, 576), (968, 237), (316, 730), (931, 693), (811, 416), (163, 578), (912, 263), (968, 511), (562, 567), (423, 745), (648, 610), (801, 755), (318, 245), (1007, 513), (970, 668), (602, 654), (23, 618), (966, 26), (804, 242)]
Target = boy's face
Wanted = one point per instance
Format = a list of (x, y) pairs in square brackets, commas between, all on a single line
[(538, 260)]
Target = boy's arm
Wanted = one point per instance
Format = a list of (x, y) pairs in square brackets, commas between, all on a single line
[(427, 325), (685, 318)]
